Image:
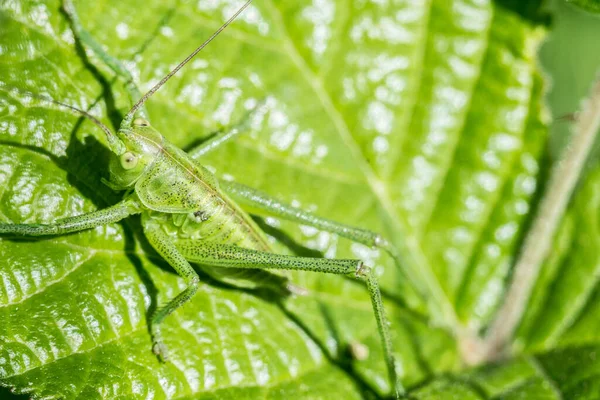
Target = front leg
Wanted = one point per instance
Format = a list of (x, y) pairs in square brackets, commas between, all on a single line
[(115, 213)]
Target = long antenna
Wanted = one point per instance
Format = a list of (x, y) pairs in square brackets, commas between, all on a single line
[(112, 139), (127, 120)]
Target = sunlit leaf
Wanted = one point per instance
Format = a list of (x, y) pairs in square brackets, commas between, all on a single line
[(421, 120)]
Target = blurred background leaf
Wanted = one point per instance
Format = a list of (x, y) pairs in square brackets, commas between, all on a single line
[(588, 5)]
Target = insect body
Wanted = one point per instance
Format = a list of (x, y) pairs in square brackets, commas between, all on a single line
[(188, 216)]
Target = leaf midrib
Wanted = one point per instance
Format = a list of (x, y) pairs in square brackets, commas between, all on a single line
[(418, 264), (376, 185), (418, 260)]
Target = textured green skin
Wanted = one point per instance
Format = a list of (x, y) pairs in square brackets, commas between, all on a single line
[(183, 200), (167, 181)]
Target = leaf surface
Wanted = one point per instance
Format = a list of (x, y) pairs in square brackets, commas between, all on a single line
[(421, 120)]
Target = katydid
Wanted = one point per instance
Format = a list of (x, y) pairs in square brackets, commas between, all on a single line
[(189, 216)]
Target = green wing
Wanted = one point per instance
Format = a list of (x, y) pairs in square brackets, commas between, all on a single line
[(174, 184)]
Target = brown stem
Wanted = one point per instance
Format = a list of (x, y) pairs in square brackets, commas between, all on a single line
[(563, 179)]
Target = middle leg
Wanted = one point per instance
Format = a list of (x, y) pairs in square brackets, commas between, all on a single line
[(224, 136)]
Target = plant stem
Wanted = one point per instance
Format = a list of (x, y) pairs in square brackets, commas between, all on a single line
[(563, 179)]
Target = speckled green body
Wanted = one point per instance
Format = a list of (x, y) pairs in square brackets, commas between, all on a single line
[(206, 213), (216, 221), (182, 200), (181, 197)]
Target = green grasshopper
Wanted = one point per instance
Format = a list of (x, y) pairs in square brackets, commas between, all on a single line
[(188, 216)]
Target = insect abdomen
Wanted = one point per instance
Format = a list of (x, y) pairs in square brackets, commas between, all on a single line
[(215, 221), (184, 198)]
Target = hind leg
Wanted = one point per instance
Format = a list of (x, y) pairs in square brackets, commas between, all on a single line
[(228, 256)]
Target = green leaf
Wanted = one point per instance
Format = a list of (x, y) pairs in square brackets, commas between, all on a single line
[(570, 373), (420, 120), (559, 331), (588, 5)]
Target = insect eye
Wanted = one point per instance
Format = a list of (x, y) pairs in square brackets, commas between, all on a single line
[(129, 160), (140, 122)]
